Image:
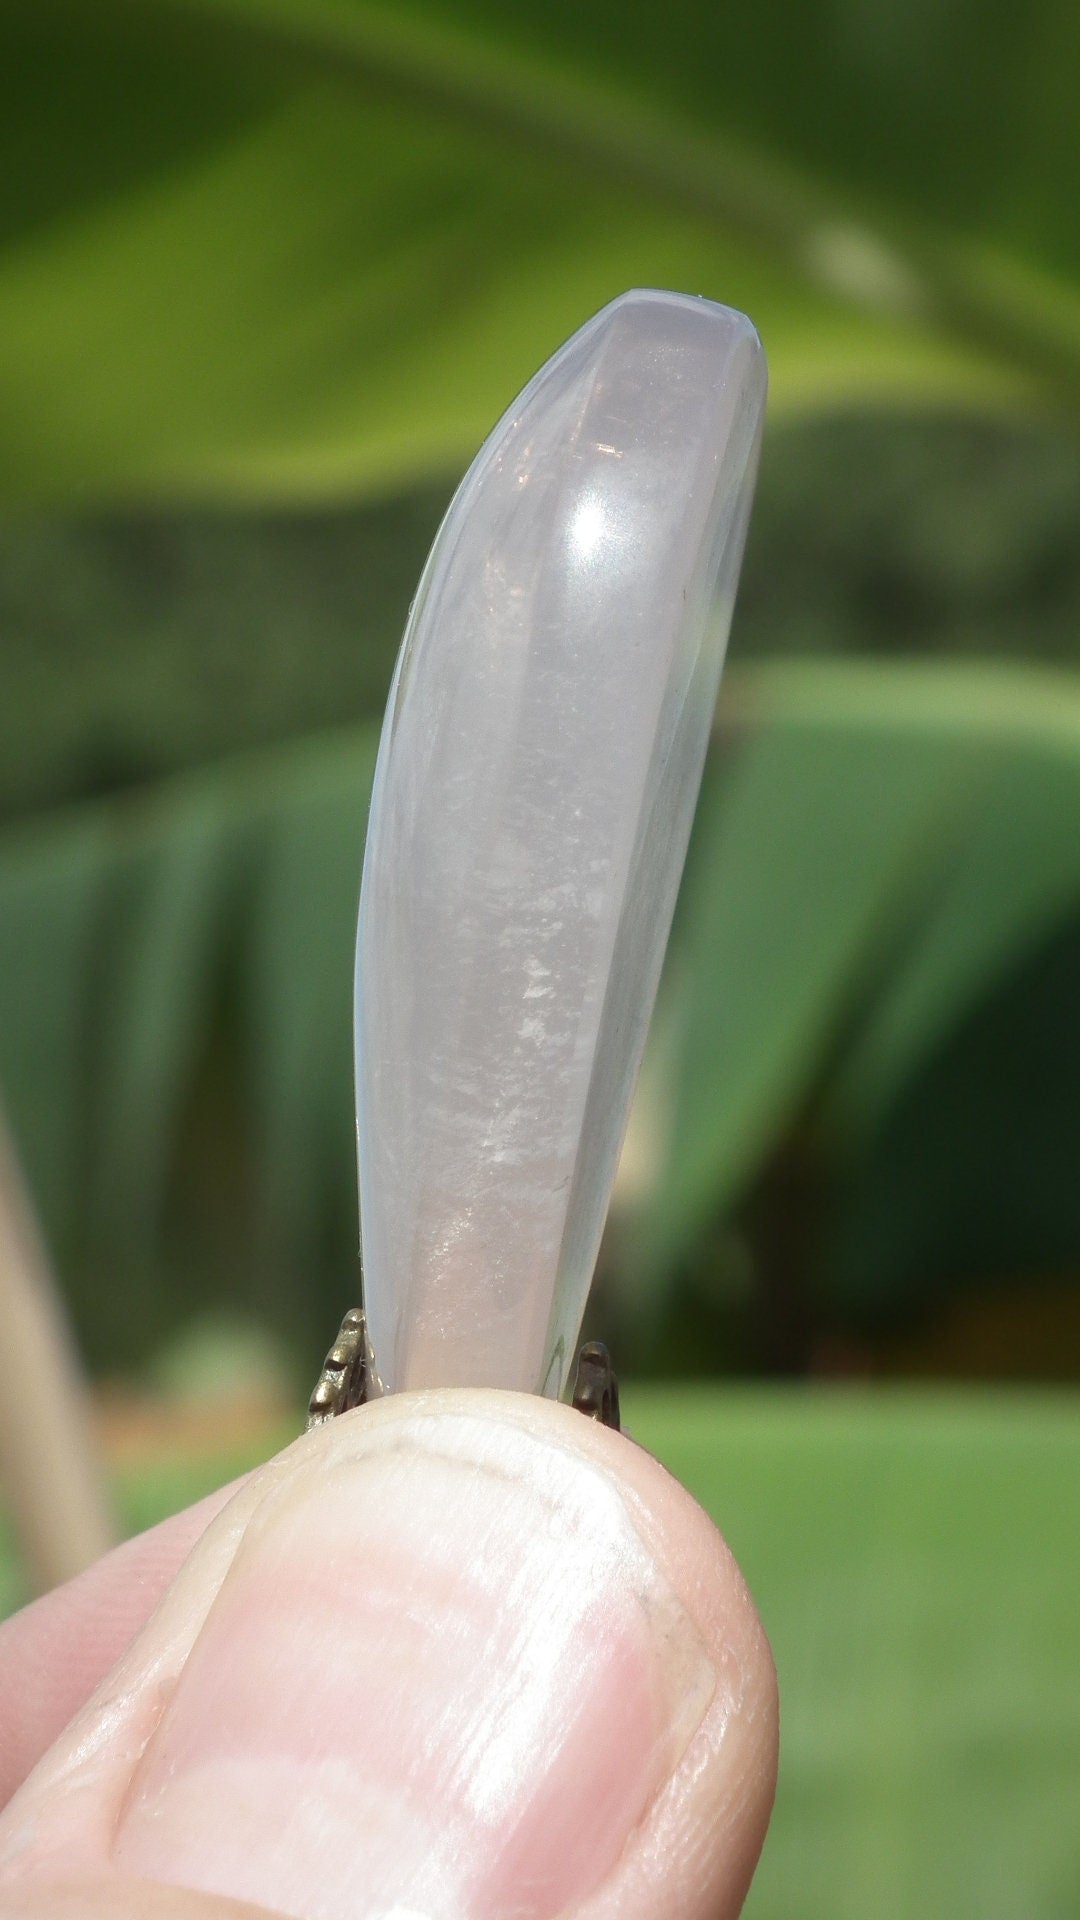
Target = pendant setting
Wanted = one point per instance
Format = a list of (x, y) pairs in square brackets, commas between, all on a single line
[(348, 1367)]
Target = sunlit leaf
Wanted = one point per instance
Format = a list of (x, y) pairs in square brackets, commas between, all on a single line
[(334, 239)]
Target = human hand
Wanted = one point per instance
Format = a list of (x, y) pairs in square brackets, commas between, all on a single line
[(455, 1656)]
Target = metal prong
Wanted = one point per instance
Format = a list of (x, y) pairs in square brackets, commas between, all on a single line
[(596, 1387), (343, 1382)]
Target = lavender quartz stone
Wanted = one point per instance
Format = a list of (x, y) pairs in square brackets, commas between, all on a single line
[(537, 776)]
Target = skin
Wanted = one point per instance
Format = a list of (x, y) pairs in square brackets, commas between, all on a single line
[(453, 1654)]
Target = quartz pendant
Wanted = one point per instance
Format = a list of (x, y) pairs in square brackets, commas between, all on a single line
[(537, 775)]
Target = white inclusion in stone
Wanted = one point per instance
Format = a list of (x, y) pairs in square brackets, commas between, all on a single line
[(537, 776)]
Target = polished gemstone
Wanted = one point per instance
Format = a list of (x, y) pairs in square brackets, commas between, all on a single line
[(537, 776)]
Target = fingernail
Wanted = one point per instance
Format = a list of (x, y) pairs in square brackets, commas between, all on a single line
[(442, 1680)]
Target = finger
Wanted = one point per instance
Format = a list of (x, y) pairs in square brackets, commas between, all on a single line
[(452, 1655), (124, 1900), (57, 1650)]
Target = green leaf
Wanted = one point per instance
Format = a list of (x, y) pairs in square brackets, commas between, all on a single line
[(120, 924), (1015, 878), (334, 238), (956, 1213), (876, 849), (170, 881), (298, 1006), (51, 888)]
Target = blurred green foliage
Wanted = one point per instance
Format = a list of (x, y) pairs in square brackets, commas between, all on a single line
[(915, 1558), (140, 641), (828, 1119), (268, 269)]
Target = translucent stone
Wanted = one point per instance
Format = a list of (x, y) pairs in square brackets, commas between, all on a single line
[(537, 775)]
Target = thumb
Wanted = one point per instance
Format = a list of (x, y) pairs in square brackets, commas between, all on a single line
[(455, 1656)]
